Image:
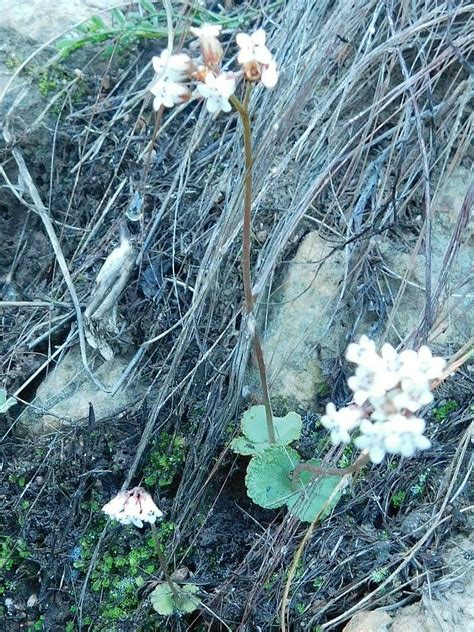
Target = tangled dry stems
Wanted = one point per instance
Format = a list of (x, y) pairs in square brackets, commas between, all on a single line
[(369, 120)]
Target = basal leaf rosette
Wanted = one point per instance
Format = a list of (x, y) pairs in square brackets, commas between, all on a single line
[(315, 496), (255, 434), (268, 477)]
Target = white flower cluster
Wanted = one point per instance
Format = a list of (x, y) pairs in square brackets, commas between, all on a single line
[(135, 506), (178, 74), (388, 389)]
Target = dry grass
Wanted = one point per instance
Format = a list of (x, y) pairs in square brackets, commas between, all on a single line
[(370, 117)]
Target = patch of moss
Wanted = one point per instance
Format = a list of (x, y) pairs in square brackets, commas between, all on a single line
[(442, 412), (12, 62), (166, 457), (398, 498), (347, 457), (126, 562), (14, 553)]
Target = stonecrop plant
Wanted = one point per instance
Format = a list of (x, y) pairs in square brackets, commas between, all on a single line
[(388, 387)]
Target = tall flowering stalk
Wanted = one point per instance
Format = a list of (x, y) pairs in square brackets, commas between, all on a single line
[(180, 79)]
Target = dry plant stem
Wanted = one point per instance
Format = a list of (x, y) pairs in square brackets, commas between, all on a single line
[(343, 471), (243, 110), (164, 565), (300, 549), (292, 571)]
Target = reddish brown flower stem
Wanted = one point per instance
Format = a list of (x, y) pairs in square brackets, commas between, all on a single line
[(243, 110), (318, 471)]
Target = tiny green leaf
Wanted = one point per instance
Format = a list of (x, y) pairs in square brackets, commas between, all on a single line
[(268, 477), (315, 496), (148, 6), (164, 602), (118, 16), (97, 23)]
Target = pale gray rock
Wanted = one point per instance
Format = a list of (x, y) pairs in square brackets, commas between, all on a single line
[(62, 400), (445, 607), (298, 330)]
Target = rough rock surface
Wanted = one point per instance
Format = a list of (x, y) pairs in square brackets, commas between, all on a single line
[(446, 607), (300, 334), (63, 397), (298, 324), (455, 321), (41, 21), (27, 25)]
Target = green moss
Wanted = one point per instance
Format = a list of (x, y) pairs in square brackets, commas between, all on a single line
[(300, 608), (379, 575), (14, 554), (317, 583), (347, 457), (281, 405), (323, 389), (12, 62), (418, 488), (166, 457), (442, 412), (398, 498), (126, 562)]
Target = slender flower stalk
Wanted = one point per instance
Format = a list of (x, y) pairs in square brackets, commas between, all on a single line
[(243, 110), (164, 566), (175, 73)]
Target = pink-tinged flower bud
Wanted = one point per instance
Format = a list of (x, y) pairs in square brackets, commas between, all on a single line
[(135, 506), (211, 49)]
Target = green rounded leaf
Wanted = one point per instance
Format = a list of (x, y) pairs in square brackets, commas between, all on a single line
[(315, 497), (268, 477), (241, 445), (254, 426), (164, 602)]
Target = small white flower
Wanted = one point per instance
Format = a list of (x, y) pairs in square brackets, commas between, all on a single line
[(432, 367), (362, 351), (168, 93), (413, 395), (372, 438), (341, 422), (384, 407), (421, 365), (135, 506), (270, 75), (404, 435), (391, 358), (206, 30), (172, 67), (252, 48), (217, 91), (371, 383)]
